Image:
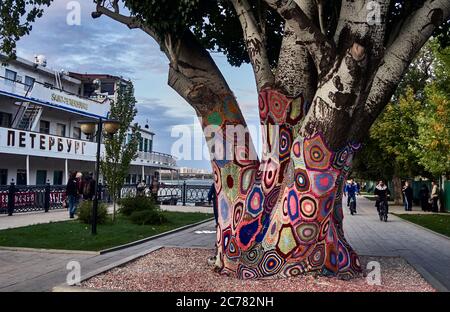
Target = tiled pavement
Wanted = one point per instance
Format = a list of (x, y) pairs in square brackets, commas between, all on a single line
[(32, 271)]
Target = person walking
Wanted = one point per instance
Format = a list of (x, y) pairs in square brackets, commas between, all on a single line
[(140, 188), (424, 195), (89, 187), (72, 194), (434, 197), (155, 186), (407, 196), (212, 198)]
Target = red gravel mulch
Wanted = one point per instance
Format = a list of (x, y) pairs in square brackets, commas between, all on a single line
[(186, 270)]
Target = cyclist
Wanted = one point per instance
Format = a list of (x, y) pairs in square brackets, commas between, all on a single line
[(350, 190), (382, 192)]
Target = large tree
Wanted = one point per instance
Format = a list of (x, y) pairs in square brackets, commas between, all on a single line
[(324, 71)]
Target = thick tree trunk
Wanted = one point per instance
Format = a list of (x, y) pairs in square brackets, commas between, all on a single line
[(285, 217), (398, 195)]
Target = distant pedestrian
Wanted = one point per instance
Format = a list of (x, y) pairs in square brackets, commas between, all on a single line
[(407, 196), (155, 186), (72, 194), (141, 189), (79, 182), (424, 195), (89, 187), (212, 198), (434, 197), (350, 190)]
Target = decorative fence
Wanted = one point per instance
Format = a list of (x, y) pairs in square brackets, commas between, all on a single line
[(19, 199)]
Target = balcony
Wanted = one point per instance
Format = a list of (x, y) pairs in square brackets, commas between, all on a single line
[(45, 95)]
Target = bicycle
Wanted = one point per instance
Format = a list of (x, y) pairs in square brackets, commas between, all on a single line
[(352, 205), (383, 210)]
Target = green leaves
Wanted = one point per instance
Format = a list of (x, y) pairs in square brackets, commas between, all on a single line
[(412, 136), (16, 18), (119, 152)]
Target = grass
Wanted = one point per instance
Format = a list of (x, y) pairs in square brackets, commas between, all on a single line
[(73, 235), (437, 223)]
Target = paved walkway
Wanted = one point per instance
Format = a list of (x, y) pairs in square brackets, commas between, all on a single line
[(430, 253)]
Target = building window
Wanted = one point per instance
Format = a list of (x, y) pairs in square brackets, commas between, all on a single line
[(128, 179), (44, 127), (29, 82), (41, 177), (141, 145), (129, 138), (61, 130), (10, 76), (3, 176), (108, 87), (150, 146), (21, 177), (57, 177), (76, 133), (5, 120), (146, 145)]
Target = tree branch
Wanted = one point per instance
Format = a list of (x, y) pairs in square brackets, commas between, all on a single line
[(320, 10), (296, 72), (415, 33), (130, 21), (255, 44), (320, 48)]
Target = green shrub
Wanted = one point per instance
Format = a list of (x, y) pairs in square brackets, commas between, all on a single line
[(129, 205), (146, 217), (84, 212)]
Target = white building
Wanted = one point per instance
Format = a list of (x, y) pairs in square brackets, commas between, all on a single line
[(40, 136)]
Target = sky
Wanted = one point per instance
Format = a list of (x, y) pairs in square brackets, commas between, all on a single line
[(105, 46)]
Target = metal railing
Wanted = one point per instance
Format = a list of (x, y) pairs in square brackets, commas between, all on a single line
[(20, 199), (174, 194)]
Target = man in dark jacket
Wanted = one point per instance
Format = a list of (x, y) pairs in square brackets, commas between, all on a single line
[(424, 197), (407, 196), (72, 194)]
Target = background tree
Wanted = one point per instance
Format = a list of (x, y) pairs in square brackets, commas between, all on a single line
[(410, 138), (16, 18), (324, 70), (433, 141), (121, 148)]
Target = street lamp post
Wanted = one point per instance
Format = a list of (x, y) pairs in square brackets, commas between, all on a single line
[(88, 128)]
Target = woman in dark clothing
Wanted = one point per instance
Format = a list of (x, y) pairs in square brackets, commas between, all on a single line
[(72, 194), (424, 197)]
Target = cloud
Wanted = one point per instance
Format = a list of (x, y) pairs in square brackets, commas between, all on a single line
[(106, 46)]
